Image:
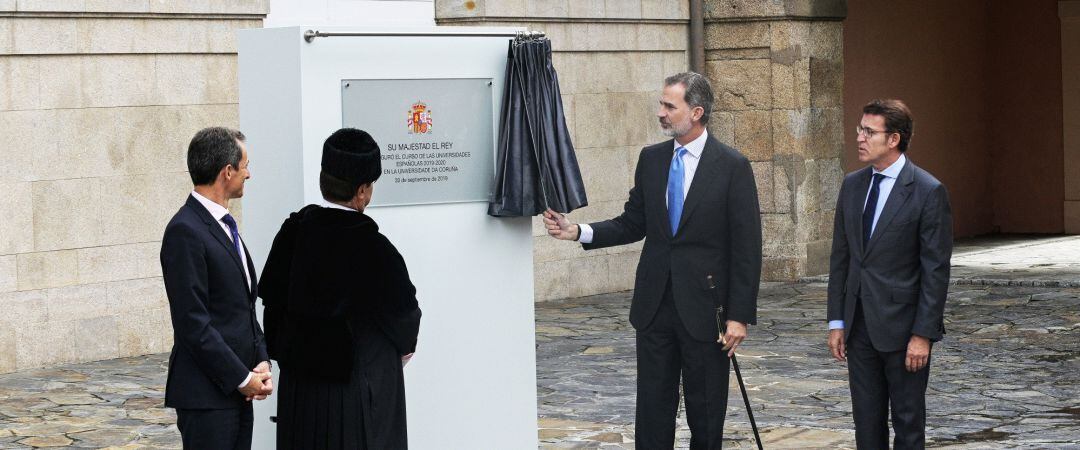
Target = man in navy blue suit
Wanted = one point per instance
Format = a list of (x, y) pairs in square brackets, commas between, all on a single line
[(218, 362)]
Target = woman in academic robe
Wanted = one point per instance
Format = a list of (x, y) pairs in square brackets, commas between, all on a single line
[(341, 315)]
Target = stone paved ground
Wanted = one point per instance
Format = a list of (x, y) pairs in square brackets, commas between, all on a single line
[(1006, 376), (114, 403)]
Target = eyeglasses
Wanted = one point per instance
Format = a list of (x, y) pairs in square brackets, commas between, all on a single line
[(869, 133)]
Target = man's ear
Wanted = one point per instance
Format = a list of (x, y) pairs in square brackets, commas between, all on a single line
[(894, 140), (363, 189), (697, 113)]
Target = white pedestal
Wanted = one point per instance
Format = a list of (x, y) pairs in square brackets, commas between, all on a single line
[(472, 383)]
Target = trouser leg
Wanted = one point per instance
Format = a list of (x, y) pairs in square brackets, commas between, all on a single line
[(214, 429), (869, 392), (907, 399), (658, 380), (705, 370)]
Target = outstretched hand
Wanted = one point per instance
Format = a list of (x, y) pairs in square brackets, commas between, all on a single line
[(559, 227)]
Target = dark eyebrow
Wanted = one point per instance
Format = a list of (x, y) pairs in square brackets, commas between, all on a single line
[(668, 104)]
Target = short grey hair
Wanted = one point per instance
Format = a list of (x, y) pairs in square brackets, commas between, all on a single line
[(698, 91)]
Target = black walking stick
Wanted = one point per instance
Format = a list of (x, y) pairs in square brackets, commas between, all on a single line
[(721, 321)]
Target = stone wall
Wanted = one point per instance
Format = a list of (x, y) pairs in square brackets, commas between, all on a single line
[(99, 99), (611, 58), (777, 69), (97, 103), (1069, 12)]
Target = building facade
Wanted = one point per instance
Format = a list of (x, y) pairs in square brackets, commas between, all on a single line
[(97, 103), (99, 99)]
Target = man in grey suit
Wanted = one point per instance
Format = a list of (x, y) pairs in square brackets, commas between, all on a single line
[(888, 278), (695, 203)]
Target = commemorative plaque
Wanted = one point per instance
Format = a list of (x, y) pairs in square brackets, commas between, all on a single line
[(434, 134)]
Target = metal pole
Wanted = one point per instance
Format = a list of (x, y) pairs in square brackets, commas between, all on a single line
[(697, 36), (310, 35), (746, 401)]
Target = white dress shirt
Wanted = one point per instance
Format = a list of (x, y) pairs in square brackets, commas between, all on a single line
[(690, 161), (884, 189)]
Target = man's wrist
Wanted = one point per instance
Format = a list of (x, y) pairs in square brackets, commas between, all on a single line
[(577, 234), (247, 380), (585, 233)]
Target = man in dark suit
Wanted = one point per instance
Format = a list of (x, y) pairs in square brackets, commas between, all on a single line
[(218, 362), (695, 203), (888, 278)]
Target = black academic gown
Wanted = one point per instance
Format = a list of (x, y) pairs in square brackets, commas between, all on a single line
[(340, 313)]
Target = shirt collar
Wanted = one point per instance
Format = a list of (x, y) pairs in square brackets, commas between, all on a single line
[(893, 171), (337, 206), (696, 146), (216, 211)]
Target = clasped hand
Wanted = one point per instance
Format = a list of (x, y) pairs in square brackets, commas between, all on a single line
[(261, 384)]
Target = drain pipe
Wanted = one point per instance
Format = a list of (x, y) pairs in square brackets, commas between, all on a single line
[(697, 36)]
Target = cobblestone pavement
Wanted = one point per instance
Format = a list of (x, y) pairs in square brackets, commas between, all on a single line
[(1007, 374), (115, 403)]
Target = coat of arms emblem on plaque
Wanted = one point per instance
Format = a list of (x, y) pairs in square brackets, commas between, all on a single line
[(419, 119)]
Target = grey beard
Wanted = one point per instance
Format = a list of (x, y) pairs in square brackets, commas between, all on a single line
[(673, 131)]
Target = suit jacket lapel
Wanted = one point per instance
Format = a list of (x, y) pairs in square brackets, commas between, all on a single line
[(897, 198), (858, 202), (217, 232), (254, 290), (708, 170), (661, 167)]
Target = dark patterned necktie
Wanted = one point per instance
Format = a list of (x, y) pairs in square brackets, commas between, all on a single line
[(228, 219), (871, 208)]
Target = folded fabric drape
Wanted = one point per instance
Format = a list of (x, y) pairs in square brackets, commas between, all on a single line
[(536, 164)]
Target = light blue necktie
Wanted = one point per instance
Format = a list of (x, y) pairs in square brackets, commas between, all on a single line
[(675, 189)]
